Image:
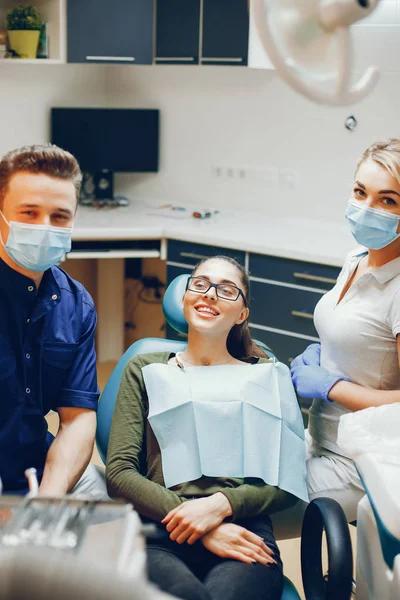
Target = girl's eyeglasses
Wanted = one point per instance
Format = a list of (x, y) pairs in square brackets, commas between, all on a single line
[(225, 291)]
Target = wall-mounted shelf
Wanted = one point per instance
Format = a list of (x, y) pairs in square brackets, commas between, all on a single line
[(33, 61), (52, 11)]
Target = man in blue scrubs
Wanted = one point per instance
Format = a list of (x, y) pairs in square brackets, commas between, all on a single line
[(47, 325)]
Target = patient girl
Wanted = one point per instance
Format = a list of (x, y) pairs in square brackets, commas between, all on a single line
[(178, 449)]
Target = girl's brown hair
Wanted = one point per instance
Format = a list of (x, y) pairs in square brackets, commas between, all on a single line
[(239, 343)]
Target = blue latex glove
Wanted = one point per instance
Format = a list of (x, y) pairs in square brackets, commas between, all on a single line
[(310, 356), (312, 381)]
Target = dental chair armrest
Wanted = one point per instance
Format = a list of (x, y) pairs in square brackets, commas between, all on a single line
[(381, 481), (325, 513)]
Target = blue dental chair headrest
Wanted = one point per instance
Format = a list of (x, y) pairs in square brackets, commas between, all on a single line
[(172, 303)]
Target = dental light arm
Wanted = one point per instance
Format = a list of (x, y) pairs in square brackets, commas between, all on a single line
[(293, 31)]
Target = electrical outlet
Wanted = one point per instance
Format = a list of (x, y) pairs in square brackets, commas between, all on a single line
[(229, 172), (265, 175), (287, 179), (216, 171)]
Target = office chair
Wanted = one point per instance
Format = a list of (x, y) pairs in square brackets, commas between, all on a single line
[(322, 513)]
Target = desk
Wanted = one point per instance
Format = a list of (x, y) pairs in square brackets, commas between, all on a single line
[(111, 235)]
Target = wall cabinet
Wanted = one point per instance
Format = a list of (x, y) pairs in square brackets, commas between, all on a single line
[(225, 32), (102, 33), (177, 31), (214, 32)]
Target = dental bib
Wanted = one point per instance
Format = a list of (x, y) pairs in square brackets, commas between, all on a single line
[(227, 421)]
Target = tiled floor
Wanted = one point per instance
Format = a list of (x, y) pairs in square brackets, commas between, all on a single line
[(290, 549)]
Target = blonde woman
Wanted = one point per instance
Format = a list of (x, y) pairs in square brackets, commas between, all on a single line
[(357, 363)]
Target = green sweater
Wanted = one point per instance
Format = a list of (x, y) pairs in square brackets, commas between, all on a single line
[(134, 470)]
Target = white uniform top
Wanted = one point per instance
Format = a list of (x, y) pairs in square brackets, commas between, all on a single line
[(358, 339)]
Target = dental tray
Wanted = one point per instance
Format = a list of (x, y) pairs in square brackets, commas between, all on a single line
[(102, 532)]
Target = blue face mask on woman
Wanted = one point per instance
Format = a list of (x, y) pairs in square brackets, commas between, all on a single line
[(36, 247), (372, 227)]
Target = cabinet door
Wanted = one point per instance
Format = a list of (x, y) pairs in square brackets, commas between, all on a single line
[(178, 31), (225, 32), (284, 308), (119, 32), (295, 272)]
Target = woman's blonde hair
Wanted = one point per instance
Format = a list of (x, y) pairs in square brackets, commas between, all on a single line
[(386, 154)]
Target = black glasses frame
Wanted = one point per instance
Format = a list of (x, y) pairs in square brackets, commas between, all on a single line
[(216, 286)]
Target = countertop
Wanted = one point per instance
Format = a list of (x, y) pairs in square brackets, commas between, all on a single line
[(296, 238)]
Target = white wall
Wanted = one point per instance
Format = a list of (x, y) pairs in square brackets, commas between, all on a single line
[(29, 91), (234, 116), (213, 116)]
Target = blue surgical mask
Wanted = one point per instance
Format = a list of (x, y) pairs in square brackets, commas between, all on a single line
[(36, 247), (372, 227)]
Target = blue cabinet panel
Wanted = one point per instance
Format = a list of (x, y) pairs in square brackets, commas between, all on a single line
[(285, 347), (225, 32), (293, 271), (284, 308), (177, 31), (122, 28), (190, 254)]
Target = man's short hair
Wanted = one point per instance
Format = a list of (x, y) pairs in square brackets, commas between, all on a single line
[(46, 158)]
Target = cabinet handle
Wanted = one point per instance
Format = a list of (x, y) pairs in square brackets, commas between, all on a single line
[(83, 254), (192, 255), (314, 278), (302, 314), (219, 59), (177, 58), (112, 58)]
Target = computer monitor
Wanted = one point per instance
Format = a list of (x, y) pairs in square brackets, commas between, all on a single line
[(108, 140)]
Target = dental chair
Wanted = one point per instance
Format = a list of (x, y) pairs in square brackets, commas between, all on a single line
[(378, 530), (321, 514)]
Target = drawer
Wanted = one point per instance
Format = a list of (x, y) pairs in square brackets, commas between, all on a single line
[(293, 271), (284, 308), (191, 254)]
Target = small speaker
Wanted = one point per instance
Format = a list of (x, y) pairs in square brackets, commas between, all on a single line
[(104, 184)]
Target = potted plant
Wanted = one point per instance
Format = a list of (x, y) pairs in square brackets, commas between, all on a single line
[(23, 25)]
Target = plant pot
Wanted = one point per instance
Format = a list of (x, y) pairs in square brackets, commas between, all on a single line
[(24, 42)]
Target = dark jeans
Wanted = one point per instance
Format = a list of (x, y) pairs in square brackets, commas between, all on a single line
[(194, 573)]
